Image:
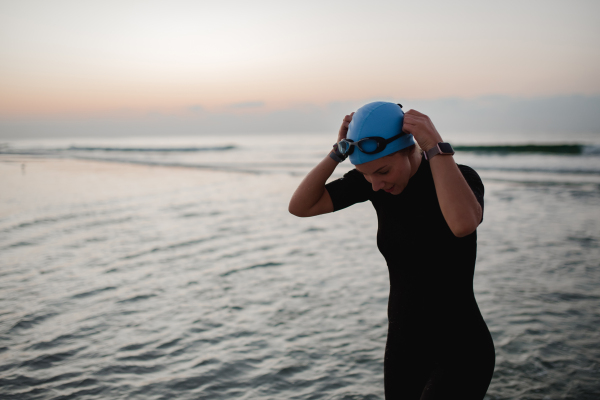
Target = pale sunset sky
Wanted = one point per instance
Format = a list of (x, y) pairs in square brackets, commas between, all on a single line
[(127, 58)]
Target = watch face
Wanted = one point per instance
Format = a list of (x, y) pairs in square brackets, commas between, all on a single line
[(446, 148)]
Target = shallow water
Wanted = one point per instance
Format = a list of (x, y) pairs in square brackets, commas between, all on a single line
[(156, 283)]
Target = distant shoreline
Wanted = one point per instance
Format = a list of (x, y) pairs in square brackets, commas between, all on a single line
[(10, 157)]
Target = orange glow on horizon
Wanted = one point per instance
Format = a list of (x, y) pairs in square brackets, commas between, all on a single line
[(133, 57)]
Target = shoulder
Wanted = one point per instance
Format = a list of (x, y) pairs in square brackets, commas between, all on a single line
[(465, 169), (354, 176), (474, 181), (353, 179), (349, 189), (470, 174)]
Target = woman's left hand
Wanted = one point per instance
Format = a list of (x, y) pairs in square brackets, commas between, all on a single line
[(459, 205), (421, 127)]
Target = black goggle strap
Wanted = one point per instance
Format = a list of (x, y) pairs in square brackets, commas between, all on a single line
[(381, 142), (390, 140)]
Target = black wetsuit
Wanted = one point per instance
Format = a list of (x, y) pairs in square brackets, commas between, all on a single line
[(438, 345)]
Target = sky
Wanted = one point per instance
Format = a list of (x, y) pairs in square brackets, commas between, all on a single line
[(64, 61)]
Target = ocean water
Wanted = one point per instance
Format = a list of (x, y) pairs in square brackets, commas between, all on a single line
[(172, 269)]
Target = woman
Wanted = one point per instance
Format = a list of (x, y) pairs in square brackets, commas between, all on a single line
[(428, 209)]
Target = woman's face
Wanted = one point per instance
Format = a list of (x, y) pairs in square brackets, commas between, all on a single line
[(390, 173)]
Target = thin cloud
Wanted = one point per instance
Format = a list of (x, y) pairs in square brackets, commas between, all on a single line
[(247, 104), (196, 108), (557, 117)]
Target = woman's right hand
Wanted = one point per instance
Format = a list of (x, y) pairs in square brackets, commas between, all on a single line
[(311, 198), (344, 128)]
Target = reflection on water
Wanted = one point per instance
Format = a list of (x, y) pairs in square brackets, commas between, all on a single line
[(151, 283)]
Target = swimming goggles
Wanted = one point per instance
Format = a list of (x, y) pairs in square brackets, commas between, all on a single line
[(368, 145)]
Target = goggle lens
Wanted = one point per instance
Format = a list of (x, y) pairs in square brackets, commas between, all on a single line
[(368, 146), (344, 147)]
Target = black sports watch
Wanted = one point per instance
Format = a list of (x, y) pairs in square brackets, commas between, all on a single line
[(442, 148)]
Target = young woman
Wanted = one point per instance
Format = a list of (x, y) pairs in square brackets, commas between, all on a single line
[(428, 209)]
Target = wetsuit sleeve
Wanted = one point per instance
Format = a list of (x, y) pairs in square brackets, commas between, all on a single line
[(350, 189), (475, 184)]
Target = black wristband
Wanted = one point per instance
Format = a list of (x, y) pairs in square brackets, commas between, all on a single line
[(336, 155)]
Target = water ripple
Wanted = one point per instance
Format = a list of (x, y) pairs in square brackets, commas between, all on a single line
[(181, 294)]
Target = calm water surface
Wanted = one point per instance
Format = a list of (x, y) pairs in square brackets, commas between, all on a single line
[(140, 282)]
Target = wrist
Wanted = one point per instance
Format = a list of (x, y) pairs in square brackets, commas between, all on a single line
[(336, 155), (441, 148), (430, 144)]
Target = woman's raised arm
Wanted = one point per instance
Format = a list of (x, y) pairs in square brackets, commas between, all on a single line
[(459, 206), (311, 198)]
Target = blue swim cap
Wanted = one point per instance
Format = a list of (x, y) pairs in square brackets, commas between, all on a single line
[(382, 119)]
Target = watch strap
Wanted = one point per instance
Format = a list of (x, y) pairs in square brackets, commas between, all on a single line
[(436, 150)]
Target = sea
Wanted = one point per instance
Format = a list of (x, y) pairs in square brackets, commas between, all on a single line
[(170, 268)]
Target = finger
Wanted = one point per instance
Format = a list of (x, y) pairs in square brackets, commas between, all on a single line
[(414, 120), (410, 121), (409, 124), (415, 115), (414, 112), (346, 121), (344, 129)]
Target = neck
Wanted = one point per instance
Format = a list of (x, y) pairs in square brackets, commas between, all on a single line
[(415, 161)]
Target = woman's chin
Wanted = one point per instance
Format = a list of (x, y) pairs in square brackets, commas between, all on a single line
[(396, 189)]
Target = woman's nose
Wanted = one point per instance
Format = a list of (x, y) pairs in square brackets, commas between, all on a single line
[(377, 184)]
